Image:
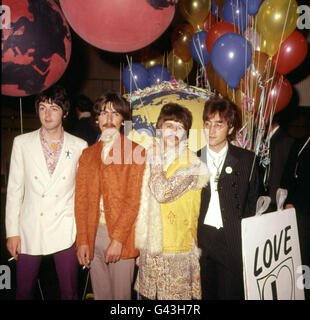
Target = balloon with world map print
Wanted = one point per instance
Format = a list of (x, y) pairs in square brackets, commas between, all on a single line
[(36, 47), (147, 103)]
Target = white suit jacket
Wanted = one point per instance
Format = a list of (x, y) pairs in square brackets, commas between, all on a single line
[(40, 207)]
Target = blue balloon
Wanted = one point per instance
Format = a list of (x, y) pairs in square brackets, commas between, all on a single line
[(199, 49), (231, 55), (214, 9), (135, 77), (253, 6), (234, 11), (157, 74)]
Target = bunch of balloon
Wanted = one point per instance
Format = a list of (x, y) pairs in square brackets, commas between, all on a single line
[(135, 76)]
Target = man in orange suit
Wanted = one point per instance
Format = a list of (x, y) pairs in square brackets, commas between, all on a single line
[(107, 200)]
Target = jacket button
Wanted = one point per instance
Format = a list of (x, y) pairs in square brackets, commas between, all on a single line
[(43, 195), (63, 178), (41, 214), (36, 177)]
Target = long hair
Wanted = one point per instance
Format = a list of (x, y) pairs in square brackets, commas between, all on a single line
[(227, 110)]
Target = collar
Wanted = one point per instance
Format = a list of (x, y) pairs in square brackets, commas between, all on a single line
[(217, 155)]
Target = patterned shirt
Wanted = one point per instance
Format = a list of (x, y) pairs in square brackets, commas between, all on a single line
[(51, 153)]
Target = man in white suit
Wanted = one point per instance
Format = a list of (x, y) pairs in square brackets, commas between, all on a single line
[(40, 197)]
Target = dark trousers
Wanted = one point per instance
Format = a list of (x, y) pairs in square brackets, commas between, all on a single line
[(219, 278), (27, 270)]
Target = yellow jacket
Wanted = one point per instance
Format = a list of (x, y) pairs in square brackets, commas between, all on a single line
[(180, 217)]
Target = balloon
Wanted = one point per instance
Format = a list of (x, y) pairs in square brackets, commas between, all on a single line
[(252, 6), (217, 31), (181, 38), (209, 22), (157, 74), (291, 54), (36, 49), (198, 48), (216, 82), (177, 67), (149, 57), (195, 12), (117, 26), (214, 9), (234, 11), (253, 37), (276, 20), (230, 56), (218, 7), (278, 97), (135, 77)]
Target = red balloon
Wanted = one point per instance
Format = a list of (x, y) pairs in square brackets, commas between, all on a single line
[(279, 96), (117, 26), (217, 31), (210, 22), (291, 53)]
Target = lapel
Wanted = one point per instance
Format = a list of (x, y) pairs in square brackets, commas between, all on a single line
[(229, 163), (37, 155)]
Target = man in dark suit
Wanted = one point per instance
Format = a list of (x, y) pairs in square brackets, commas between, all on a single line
[(296, 179), (279, 148), (84, 126), (230, 196)]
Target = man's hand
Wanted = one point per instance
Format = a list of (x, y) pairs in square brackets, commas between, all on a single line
[(83, 255), (114, 251), (14, 244)]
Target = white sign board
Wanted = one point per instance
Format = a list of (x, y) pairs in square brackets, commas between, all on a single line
[(271, 256)]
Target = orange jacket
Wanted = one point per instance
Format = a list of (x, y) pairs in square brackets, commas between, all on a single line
[(121, 189)]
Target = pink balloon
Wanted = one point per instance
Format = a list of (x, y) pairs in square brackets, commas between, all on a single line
[(117, 26)]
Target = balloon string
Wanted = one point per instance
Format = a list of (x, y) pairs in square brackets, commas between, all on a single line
[(21, 115), (282, 35)]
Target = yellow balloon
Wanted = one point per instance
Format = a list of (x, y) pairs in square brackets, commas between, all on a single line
[(177, 67), (195, 12), (276, 20)]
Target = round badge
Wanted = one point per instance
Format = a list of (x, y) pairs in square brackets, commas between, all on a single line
[(228, 170)]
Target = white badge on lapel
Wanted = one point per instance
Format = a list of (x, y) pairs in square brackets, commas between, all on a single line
[(228, 170), (68, 154)]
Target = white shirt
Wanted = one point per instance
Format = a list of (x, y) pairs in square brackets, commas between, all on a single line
[(215, 163)]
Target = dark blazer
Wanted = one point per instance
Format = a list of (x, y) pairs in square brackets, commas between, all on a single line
[(280, 146), (238, 196), (85, 130)]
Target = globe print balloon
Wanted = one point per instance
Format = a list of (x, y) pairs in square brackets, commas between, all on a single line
[(36, 48), (146, 105)]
